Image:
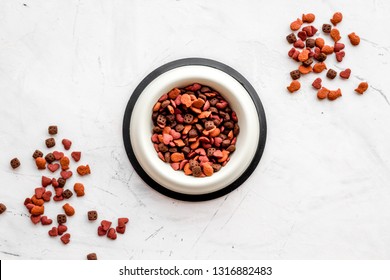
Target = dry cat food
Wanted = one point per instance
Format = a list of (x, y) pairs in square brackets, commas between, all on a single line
[(312, 52), (15, 163), (3, 208), (195, 130), (92, 257)]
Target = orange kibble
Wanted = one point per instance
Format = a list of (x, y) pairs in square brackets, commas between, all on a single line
[(309, 18), (37, 210), (156, 106), (215, 132), (337, 18), (295, 25), (186, 129), (320, 42), (319, 67), (64, 161), (79, 189), (204, 114), (176, 157), (195, 145), (322, 93), (187, 169), (304, 55), (225, 154), (327, 49), (40, 162), (198, 103), (335, 34), (83, 170), (69, 210), (208, 169), (354, 39), (174, 93), (186, 100), (305, 69), (37, 201), (196, 110), (294, 86), (179, 143), (363, 86), (334, 94)]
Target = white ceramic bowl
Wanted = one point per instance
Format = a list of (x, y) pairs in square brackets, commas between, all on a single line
[(239, 100)]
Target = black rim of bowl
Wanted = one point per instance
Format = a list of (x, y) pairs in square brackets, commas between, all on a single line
[(180, 63)]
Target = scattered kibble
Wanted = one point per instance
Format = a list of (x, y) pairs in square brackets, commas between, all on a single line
[(53, 130), (92, 257), (363, 86), (294, 86), (3, 208), (50, 142), (15, 163)]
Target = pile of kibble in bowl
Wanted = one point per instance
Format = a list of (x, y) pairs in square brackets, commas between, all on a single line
[(195, 130)]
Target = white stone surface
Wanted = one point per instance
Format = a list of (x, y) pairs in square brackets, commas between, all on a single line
[(321, 190)]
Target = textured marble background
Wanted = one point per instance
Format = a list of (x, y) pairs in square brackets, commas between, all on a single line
[(321, 190)]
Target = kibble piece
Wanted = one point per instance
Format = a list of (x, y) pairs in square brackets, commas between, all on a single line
[(294, 86), (69, 210), (322, 93), (15, 163), (3, 208), (295, 74), (61, 219), (307, 62), (37, 154), (345, 74), (67, 194), (92, 257), (331, 74), (67, 143), (83, 170), (317, 83), (309, 18), (291, 38), (79, 189), (61, 182), (295, 25), (354, 39), (92, 215), (197, 171), (326, 28), (363, 86), (321, 57), (310, 43), (335, 35), (50, 142), (53, 130), (334, 94), (337, 18), (50, 158)]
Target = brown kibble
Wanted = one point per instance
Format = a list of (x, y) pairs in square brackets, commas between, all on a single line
[(334, 94), (69, 210), (331, 74), (319, 67), (294, 86), (40, 162), (295, 74), (335, 34), (363, 86), (37, 154), (92, 215), (15, 163), (79, 189), (3, 208), (295, 25), (308, 18), (92, 257), (322, 93), (337, 18), (354, 39), (61, 219), (50, 142), (53, 130)]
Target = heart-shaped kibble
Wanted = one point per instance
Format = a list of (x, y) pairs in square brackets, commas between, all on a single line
[(345, 74), (65, 238), (27, 201), (35, 219), (67, 143), (76, 156), (66, 174), (340, 55), (53, 232), (218, 154), (111, 234), (101, 231), (46, 196), (53, 167), (39, 192), (62, 229), (122, 222), (46, 221), (54, 183), (167, 138), (317, 83), (58, 155), (30, 206), (105, 224), (59, 191), (58, 198), (121, 230), (45, 181)]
